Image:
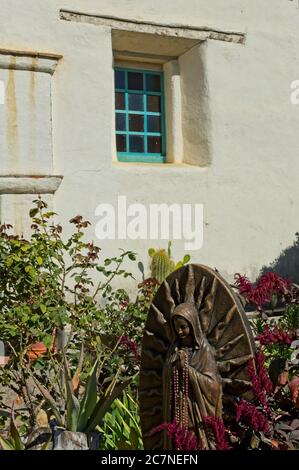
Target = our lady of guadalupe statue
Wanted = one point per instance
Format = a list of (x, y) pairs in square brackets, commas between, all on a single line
[(196, 346)]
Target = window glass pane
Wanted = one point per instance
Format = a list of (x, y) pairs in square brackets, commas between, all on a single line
[(138, 112), (153, 82), (119, 79), (136, 122), (136, 143), (121, 143), (120, 102), (153, 103), (154, 145), (153, 124), (135, 81), (135, 102), (120, 121)]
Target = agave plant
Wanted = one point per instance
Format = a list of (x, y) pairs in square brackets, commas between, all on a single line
[(13, 441), (82, 414)]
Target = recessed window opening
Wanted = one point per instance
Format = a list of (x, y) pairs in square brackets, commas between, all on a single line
[(139, 115)]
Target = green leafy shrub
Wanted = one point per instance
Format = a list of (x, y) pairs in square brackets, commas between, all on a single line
[(58, 293), (121, 426)]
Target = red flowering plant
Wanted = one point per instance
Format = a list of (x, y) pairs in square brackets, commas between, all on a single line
[(276, 323), (218, 434), (271, 419), (268, 289), (182, 438), (249, 423)]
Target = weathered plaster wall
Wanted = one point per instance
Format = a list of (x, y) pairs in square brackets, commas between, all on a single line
[(249, 187), (25, 123)]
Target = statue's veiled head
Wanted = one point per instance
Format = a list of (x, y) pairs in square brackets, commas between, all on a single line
[(190, 326)]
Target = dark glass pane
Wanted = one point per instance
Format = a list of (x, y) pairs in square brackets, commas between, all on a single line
[(120, 121), (120, 102), (121, 143), (135, 102), (119, 79), (154, 145), (153, 82), (135, 81), (153, 124), (154, 103), (136, 122), (136, 143)]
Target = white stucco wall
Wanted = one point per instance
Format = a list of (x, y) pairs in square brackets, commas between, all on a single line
[(249, 183)]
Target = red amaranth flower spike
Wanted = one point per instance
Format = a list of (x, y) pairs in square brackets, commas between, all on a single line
[(261, 383), (131, 345), (275, 335), (250, 415), (219, 431), (261, 293), (183, 439)]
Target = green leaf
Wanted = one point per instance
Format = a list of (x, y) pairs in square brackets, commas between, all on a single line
[(39, 260), (49, 399), (47, 215), (89, 400), (47, 340), (32, 272), (134, 438), (72, 403), (5, 444), (73, 409), (43, 308), (132, 256), (178, 265), (25, 247), (105, 403), (186, 259), (14, 435), (33, 212)]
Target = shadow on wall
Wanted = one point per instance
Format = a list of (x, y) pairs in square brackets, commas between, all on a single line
[(287, 263)]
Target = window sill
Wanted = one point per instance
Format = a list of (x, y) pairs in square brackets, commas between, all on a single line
[(141, 159), (145, 167)]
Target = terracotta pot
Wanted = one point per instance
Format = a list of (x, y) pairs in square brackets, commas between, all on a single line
[(36, 350)]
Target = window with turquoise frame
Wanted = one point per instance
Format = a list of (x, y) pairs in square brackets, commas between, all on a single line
[(139, 116)]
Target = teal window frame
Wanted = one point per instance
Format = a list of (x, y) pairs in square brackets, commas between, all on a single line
[(145, 156)]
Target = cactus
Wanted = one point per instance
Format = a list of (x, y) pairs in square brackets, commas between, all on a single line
[(160, 267), (162, 263)]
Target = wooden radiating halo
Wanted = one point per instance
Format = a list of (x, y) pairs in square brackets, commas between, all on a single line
[(223, 321)]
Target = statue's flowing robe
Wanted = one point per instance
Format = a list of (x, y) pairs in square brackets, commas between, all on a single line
[(205, 388)]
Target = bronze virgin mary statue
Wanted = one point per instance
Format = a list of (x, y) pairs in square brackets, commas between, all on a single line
[(191, 380), (195, 350)]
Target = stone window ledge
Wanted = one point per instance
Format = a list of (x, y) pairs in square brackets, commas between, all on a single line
[(29, 184)]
